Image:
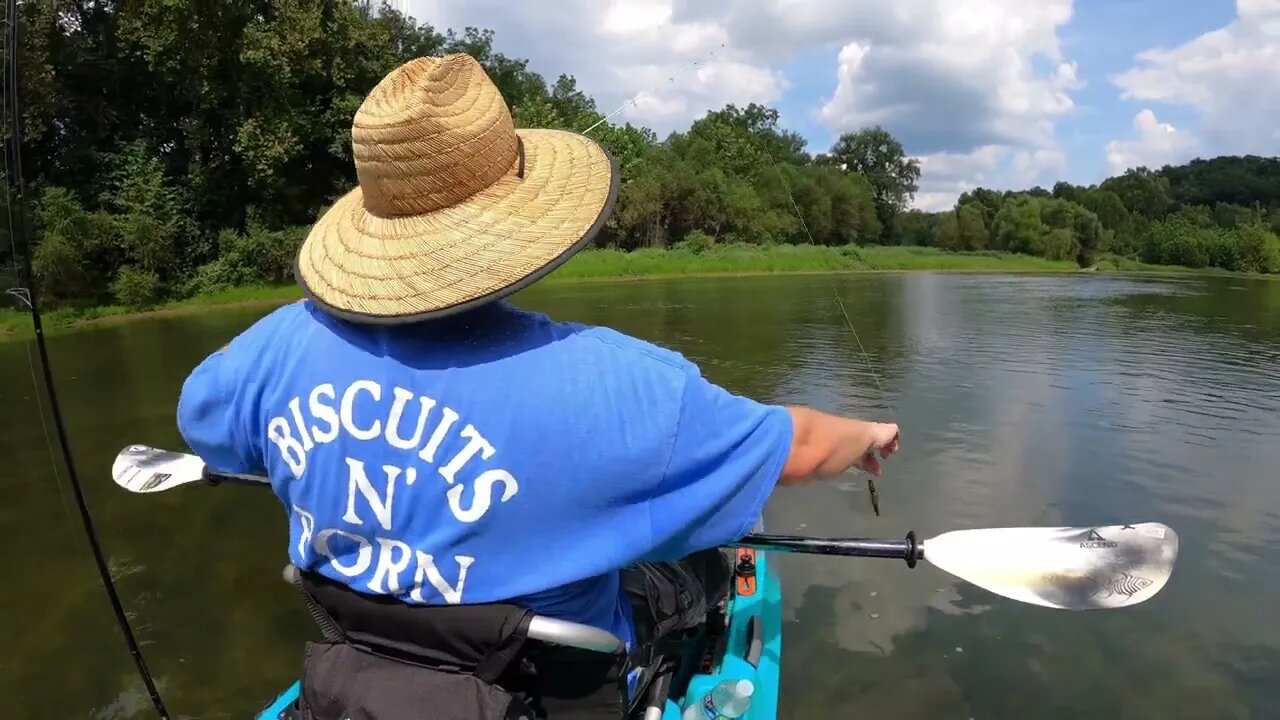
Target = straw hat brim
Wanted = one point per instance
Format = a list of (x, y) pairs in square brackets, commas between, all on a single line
[(370, 269)]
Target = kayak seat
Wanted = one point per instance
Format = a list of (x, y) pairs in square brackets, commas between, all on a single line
[(377, 646)]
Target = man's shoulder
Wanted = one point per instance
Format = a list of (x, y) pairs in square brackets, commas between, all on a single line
[(643, 353), (292, 313), (270, 327)]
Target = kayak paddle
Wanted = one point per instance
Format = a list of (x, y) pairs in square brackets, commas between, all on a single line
[(1069, 568)]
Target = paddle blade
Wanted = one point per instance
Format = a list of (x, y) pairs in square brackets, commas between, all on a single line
[(1090, 568), (143, 469)]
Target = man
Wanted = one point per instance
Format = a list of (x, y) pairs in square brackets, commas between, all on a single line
[(438, 447)]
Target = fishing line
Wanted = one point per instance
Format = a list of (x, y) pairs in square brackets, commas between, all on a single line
[(865, 357), (871, 484), (15, 197), (641, 94), (786, 187), (871, 481), (23, 296)]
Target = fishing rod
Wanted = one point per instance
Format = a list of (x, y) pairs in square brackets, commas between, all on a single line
[(1065, 568), (28, 295)]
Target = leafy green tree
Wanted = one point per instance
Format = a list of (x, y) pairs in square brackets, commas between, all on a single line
[(1235, 216), (1081, 225), (1018, 227), (1115, 219), (744, 142), (878, 156), (1260, 249), (135, 287), (1249, 181), (1142, 192), (989, 200), (972, 227), (915, 227), (77, 251), (1066, 191), (962, 229), (1197, 215), (947, 234)]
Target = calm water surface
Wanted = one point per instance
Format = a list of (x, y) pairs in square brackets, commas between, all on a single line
[(1024, 400)]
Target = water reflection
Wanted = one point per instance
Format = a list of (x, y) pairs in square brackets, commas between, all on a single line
[(1025, 400)]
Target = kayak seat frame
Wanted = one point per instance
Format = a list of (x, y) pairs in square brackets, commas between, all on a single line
[(678, 659), (544, 629)]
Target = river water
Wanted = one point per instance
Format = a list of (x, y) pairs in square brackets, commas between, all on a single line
[(1024, 400)]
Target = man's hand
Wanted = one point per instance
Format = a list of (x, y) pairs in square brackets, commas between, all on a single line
[(824, 446), (881, 438)]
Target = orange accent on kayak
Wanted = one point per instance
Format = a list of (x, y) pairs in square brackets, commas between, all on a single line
[(746, 581)]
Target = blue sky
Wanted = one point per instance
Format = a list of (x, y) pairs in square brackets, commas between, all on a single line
[(995, 93), (1102, 37)]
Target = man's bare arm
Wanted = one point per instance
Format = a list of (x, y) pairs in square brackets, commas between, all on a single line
[(825, 446)]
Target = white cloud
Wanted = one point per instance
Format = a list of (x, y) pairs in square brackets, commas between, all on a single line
[(1229, 76), (1157, 144), (977, 83), (680, 67), (633, 16), (956, 81), (1040, 166), (944, 175), (956, 75)]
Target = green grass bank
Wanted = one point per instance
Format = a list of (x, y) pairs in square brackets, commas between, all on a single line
[(617, 265)]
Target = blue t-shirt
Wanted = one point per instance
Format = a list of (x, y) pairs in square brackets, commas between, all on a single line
[(493, 456)]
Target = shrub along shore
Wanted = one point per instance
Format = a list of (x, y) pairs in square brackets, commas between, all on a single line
[(615, 265)]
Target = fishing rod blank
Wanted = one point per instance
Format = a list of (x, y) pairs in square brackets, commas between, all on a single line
[(17, 228)]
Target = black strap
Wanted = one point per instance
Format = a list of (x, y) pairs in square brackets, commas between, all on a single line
[(328, 628), (497, 660), (651, 654)]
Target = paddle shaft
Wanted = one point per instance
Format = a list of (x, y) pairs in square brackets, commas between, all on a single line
[(909, 549), (215, 478)]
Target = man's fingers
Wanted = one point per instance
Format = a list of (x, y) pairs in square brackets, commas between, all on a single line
[(870, 464)]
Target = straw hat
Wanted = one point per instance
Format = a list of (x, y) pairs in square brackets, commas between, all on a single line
[(455, 207)]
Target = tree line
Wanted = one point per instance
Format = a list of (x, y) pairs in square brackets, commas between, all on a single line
[(1222, 212), (174, 147)]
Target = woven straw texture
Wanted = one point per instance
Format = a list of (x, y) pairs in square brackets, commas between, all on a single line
[(449, 210)]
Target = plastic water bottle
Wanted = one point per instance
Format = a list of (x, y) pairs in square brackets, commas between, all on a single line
[(729, 699)]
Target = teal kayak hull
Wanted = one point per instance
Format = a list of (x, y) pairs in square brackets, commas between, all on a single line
[(283, 702), (751, 650)]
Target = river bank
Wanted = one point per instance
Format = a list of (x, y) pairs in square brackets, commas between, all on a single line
[(615, 265)]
